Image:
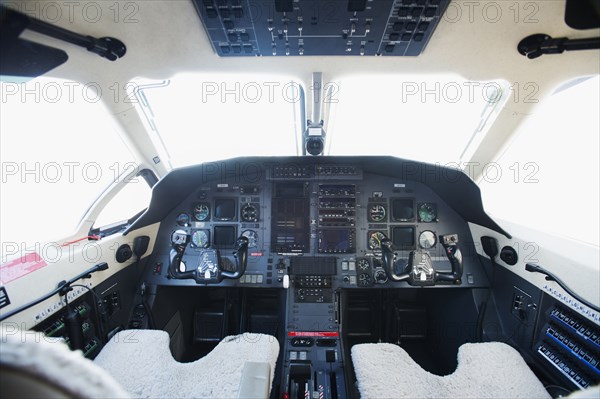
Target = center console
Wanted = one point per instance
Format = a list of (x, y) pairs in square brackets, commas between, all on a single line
[(313, 356)]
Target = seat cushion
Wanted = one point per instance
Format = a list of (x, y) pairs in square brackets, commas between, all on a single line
[(142, 362), (485, 370)]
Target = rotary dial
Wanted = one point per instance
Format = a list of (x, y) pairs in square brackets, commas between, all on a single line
[(365, 280), (377, 212), (249, 213), (363, 265)]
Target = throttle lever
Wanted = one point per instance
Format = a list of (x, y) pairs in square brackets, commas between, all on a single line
[(450, 244)]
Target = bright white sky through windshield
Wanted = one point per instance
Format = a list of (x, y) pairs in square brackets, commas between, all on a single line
[(427, 118), (206, 118)]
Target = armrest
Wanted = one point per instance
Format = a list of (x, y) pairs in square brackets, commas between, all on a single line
[(256, 381)]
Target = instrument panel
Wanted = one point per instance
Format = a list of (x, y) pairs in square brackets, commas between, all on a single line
[(340, 212)]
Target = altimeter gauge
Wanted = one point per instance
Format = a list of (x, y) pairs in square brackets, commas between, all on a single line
[(377, 212)]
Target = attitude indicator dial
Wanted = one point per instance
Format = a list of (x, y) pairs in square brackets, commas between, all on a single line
[(201, 211)]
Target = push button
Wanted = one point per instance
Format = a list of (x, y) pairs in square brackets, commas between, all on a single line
[(416, 12), (225, 13), (430, 12)]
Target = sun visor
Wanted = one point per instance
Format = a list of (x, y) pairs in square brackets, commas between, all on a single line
[(22, 58)]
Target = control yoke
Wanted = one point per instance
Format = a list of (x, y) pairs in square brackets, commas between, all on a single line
[(210, 268), (420, 271)]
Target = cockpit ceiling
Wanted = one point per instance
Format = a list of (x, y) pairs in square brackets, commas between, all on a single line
[(477, 41)]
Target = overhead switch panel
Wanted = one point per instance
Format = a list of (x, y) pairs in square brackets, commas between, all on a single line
[(286, 28)]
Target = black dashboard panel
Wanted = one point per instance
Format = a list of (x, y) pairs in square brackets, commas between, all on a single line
[(315, 209)]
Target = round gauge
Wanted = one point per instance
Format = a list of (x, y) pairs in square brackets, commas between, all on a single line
[(252, 237), (201, 211), (183, 219), (427, 212), (381, 277), (249, 213), (375, 238), (427, 239), (200, 239), (364, 280), (377, 212), (363, 264)]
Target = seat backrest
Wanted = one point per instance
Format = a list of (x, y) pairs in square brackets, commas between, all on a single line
[(33, 365)]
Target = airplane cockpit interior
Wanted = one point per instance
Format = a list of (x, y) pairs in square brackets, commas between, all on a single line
[(300, 199)]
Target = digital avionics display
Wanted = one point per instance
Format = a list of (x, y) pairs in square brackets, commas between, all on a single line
[(224, 236), (403, 237), (224, 209), (290, 228), (336, 241), (403, 209)]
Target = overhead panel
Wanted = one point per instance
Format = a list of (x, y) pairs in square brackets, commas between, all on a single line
[(317, 27)]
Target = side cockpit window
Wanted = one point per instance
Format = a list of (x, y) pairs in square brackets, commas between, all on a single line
[(59, 151), (130, 201), (551, 168)]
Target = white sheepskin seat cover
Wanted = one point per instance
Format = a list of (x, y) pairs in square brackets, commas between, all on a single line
[(141, 361), (485, 370), (50, 360)]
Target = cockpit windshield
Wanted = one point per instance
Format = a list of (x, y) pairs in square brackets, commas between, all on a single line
[(365, 115)]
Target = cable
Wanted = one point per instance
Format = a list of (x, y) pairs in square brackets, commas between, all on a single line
[(490, 247), (146, 306), (62, 286)]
